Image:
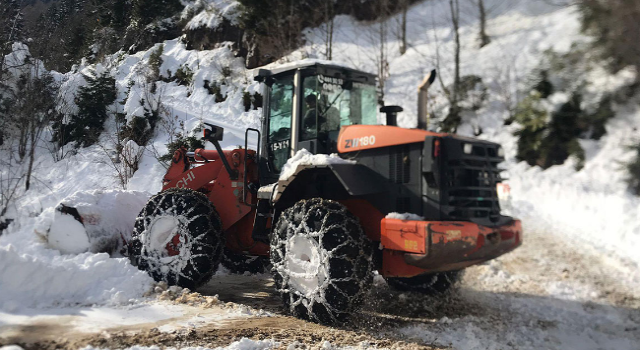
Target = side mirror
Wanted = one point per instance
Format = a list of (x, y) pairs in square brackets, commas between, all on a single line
[(214, 134)]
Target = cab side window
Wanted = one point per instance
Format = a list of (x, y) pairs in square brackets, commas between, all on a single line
[(280, 109)]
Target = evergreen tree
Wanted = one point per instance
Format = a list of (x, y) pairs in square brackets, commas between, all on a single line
[(533, 119), (93, 101), (146, 11), (11, 30)]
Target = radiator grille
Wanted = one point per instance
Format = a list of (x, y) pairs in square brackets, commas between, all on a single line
[(471, 184)]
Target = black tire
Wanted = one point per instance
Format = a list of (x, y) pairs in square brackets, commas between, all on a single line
[(322, 237), (239, 264), (432, 283), (194, 222)]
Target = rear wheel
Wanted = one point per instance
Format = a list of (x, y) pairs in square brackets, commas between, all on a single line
[(321, 260), (177, 238), (432, 283)]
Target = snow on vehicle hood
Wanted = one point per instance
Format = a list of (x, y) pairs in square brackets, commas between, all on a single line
[(304, 157)]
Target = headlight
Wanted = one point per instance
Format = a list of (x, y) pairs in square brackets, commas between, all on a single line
[(500, 151), (467, 148)]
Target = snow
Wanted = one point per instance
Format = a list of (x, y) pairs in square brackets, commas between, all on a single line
[(304, 157), (404, 216), (161, 232), (38, 277), (242, 344), (108, 218), (68, 235), (212, 12), (304, 264), (96, 319)]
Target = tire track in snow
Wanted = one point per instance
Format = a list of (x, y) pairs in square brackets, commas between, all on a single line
[(550, 293)]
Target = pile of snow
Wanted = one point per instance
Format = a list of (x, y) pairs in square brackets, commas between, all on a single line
[(40, 277), (107, 220), (404, 216), (304, 157)]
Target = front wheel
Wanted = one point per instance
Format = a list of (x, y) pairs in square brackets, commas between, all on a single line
[(321, 260), (177, 238)]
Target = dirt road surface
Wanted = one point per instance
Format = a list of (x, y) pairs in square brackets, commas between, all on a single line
[(547, 294)]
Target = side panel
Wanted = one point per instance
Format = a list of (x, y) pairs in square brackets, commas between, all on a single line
[(398, 169)]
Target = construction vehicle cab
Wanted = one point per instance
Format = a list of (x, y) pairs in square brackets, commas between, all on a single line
[(307, 104), (416, 206)]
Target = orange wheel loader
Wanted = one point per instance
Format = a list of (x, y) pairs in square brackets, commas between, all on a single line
[(414, 205)]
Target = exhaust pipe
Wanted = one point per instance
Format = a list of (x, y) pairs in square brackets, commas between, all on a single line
[(423, 118)]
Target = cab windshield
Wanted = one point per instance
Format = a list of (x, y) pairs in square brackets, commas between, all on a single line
[(330, 103)]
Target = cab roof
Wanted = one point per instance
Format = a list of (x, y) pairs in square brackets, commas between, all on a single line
[(329, 68)]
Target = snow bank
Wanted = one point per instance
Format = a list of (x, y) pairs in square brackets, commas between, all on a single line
[(304, 157), (107, 220), (44, 278)]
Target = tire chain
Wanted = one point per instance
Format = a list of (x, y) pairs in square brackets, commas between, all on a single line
[(350, 288), (200, 233)]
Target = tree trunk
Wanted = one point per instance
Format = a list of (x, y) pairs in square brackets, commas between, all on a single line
[(382, 61), (329, 20), (455, 19), (403, 27), (484, 38), (32, 156)]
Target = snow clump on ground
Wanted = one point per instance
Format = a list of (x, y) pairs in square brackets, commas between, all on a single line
[(107, 221)]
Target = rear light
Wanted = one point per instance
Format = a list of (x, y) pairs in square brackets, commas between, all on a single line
[(436, 148)]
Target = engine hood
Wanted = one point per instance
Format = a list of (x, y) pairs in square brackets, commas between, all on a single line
[(360, 137)]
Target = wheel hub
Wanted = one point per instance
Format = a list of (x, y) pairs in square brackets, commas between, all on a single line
[(305, 262), (164, 237)]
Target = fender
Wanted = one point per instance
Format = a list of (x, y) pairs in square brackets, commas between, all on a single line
[(331, 181)]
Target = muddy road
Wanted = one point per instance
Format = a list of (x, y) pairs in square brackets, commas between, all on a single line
[(547, 294)]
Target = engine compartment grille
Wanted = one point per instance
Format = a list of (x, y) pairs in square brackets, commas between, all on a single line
[(399, 164), (472, 175)]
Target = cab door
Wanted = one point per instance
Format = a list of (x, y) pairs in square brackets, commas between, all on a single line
[(278, 123)]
